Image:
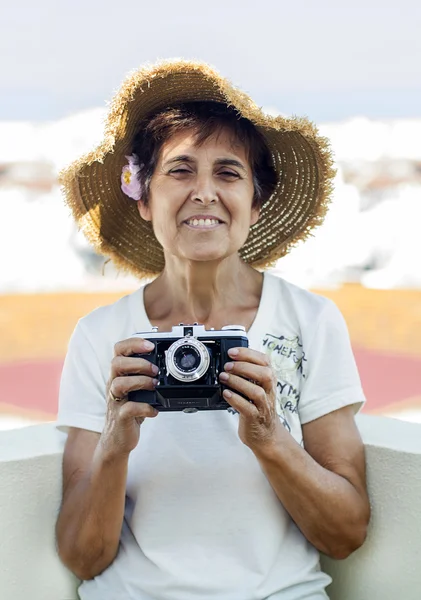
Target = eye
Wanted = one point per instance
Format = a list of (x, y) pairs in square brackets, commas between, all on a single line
[(231, 174), (180, 170)]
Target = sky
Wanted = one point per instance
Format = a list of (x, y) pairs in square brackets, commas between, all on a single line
[(328, 60)]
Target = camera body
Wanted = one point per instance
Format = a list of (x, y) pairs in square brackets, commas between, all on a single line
[(189, 359)]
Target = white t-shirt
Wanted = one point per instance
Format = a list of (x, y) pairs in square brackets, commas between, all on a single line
[(201, 520)]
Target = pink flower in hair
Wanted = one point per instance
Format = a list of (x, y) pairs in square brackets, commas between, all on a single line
[(129, 178)]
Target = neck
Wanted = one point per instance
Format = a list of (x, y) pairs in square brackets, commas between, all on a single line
[(199, 292)]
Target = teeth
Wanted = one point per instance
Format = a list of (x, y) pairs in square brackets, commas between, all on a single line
[(202, 222)]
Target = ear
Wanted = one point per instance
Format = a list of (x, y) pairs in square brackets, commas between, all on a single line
[(144, 210), (255, 214)]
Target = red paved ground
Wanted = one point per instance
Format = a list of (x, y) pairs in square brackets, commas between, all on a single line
[(28, 386), (388, 378), (31, 385)]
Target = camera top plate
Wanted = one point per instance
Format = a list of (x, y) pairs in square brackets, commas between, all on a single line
[(195, 331)]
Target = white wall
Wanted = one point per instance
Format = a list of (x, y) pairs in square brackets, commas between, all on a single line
[(387, 567)]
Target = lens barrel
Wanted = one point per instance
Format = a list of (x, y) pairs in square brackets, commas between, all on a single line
[(187, 359)]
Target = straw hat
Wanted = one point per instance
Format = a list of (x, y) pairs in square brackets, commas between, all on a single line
[(111, 221)]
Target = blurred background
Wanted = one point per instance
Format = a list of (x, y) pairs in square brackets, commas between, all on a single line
[(352, 68)]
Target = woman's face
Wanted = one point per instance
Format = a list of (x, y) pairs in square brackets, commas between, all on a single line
[(200, 199)]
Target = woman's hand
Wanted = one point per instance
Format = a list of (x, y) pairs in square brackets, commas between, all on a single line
[(124, 418), (250, 373)]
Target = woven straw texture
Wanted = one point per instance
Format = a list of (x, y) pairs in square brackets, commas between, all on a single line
[(111, 221)]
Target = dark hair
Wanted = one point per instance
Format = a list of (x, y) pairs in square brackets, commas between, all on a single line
[(207, 118)]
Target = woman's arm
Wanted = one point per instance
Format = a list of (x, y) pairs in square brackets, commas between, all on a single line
[(322, 487), (89, 525), (95, 467)]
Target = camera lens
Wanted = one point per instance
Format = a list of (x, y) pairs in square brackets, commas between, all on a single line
[(187, 358)]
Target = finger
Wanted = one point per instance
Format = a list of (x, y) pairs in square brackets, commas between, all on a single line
[(244, 407), (264, 376), (250, 390), (129, 365), (249, 355), (134, 345), (121, 386), (137, 410)]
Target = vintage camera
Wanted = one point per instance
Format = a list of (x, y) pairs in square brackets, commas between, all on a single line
[(189, 359)]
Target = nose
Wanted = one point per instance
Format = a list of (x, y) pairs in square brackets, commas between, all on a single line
[(204, 191)]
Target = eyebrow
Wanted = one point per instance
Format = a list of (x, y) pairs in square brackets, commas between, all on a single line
[(220, 161)]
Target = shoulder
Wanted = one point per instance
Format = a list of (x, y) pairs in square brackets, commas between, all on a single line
[(111, 321), (306, 306)]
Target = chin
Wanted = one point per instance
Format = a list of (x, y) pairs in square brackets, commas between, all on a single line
[(206, 254), (206, 257), (201, 252)]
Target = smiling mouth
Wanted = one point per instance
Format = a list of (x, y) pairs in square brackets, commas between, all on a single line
[(203, 223)]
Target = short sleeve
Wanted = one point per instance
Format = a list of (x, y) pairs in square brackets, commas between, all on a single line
[(82, 387), (331, 378)]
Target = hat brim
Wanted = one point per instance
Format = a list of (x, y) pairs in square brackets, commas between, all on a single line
[(111, 221)]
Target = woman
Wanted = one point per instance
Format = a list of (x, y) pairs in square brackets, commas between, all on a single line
[(196, 187)]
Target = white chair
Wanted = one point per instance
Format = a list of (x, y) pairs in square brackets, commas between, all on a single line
[(387, 567)]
